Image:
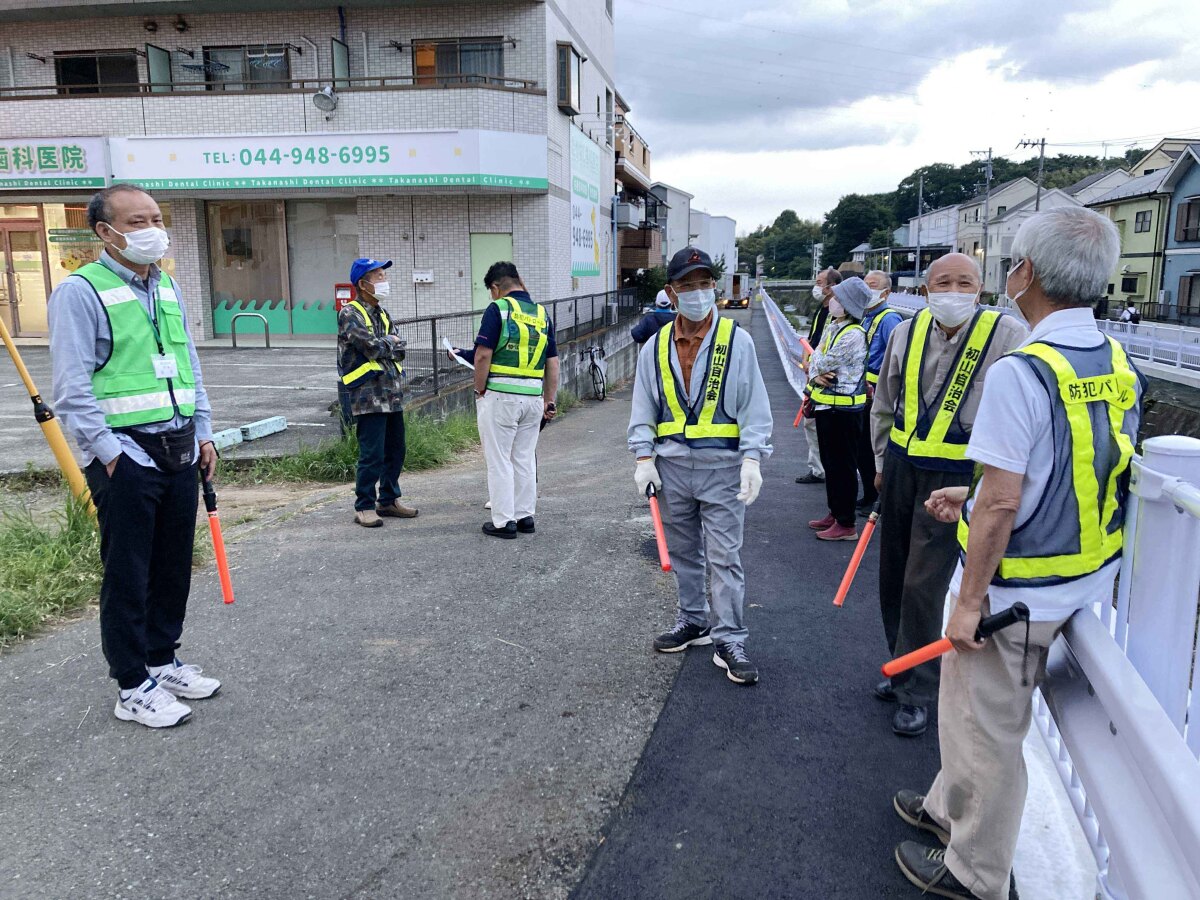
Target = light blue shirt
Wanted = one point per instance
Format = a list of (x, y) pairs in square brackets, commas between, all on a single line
[(80, 340), (746, 402)]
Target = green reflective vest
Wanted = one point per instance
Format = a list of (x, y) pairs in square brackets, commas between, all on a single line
[(936, 436), (126, 387), (830, 396), (1077, 526), (519, 360), (678, 420), (368, 368)]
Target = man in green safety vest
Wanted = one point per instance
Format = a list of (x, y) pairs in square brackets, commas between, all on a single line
[(516, 382), (700, 426), (1054, 435), (369, 356), (930, 382), (127, 384)]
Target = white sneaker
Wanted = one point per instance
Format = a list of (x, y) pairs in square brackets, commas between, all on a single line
[(185, 681), (151, 706)]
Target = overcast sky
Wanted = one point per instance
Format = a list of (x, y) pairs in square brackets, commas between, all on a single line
[(756, 106)]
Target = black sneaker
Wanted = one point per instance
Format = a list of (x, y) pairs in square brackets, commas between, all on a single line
[(738, 668), (683, 635), (810, 478), (926, 868), (910, 806), (884, 691), (910, 721), (525, 525), (509, 530)]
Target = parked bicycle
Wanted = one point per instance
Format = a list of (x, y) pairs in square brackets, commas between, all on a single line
[(597, 368)]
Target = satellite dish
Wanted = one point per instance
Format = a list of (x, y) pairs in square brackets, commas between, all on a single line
[(325, 99)]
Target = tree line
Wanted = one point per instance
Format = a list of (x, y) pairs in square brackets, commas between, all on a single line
[(787, 243)]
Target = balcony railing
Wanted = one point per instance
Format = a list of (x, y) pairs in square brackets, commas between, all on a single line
[(258, 88)]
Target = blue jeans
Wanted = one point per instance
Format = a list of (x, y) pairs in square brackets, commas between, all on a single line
[(380, 458)]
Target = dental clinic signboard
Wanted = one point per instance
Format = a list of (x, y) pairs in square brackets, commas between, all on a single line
[(466, 158), (585, 205), (52, 163)]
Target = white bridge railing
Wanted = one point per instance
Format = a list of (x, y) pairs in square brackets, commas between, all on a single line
[(1167, 345), (1119, 708)]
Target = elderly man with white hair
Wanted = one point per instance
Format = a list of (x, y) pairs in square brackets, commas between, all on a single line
[(879, 321), (1054, 436)]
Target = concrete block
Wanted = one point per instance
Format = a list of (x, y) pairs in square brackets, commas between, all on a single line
[(227, 438), (264, 427)]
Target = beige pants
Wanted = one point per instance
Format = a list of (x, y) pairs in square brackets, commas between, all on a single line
[(984, 712), (508, 431), (814, 453)]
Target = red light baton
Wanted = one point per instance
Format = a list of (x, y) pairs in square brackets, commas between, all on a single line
[(1018, 612), (856, 559), (214, 527), (660, 536)]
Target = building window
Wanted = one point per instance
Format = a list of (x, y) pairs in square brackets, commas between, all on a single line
[(1129, 284), (259, 67), (570, 79), (458, 60), (608, 114), (1189, 295), (247, 255), (1000, 210), (608, 7), (1187, 221), (96, 72), (1141, 221)]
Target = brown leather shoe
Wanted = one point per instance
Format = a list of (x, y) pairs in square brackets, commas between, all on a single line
[(397, 510), (367, 518)]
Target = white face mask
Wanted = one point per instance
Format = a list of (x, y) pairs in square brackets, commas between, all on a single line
[(381, 288), (876, 296), (1012, 301), (144, 246), (836, 309), (696, 305), (951, 308), (818, 293)]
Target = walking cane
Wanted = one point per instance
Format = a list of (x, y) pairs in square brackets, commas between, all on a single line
[(214, 527), (1018, 612), (660, 536), (856, 559), (50, 427)]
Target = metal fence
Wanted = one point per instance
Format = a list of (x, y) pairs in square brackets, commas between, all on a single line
[(1169, 345), (428, 369)]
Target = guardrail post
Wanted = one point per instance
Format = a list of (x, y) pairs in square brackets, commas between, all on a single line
[(1166, 573), (433, 345)]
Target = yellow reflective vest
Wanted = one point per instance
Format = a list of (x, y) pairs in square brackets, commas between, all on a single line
[(1077, 525), (678, 420), (367, 368), (934, 437), (832, 396), (519, 360)]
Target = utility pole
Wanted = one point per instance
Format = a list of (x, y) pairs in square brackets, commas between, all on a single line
[(920, 210), (987, 202), (1041, 145)]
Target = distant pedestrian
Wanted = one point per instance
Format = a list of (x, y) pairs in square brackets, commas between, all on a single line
[(127, 384), (369, 357), (879, 321), (822, 290), (662, 314), (516, 383), (699, 428), (1044, 528), (837, 387)]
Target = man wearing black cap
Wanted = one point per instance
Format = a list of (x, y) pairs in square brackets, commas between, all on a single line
[(700, 425), (369, 356)]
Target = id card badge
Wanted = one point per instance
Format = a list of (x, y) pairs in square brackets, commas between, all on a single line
[(165, 366)]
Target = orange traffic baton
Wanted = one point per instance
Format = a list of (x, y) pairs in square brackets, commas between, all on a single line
[(1018, 612), (800, 412), (214, 527), (856, 559), (660, 536)]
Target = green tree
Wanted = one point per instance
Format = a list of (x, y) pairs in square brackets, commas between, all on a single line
[(852, 221)]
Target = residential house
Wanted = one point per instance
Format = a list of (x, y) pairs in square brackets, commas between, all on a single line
[(1181, 263), (639, 238), (716, 236), (1139, 210), (935, 227), (859, 253), (972, 216), (1161, 156), (674, 217), (1097, 185)]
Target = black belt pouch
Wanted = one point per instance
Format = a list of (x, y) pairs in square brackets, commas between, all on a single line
[(172, 451)]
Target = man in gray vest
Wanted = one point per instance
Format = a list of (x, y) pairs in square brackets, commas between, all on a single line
[(127, 384)]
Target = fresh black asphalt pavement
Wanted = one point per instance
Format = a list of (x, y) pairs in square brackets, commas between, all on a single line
[(783, 789)]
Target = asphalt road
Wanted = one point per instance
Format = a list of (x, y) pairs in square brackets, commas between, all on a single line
[(781, 790)]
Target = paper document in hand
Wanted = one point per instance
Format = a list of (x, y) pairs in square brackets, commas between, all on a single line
[(458, 359)]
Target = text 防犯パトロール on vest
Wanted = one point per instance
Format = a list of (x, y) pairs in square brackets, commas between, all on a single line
[(678, 419), (519, 360), (933, 436)]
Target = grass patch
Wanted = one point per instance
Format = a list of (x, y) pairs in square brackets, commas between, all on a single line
[(32, 479), (48, 570), (430, 443), (566, 400)]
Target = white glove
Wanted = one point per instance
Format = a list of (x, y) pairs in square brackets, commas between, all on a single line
[(751, 481), (645, 474)]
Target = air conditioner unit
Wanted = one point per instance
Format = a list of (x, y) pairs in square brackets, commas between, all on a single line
[(629, 215), (1164, 298)]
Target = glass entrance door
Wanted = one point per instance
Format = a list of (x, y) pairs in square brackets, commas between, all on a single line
[(26, 287)]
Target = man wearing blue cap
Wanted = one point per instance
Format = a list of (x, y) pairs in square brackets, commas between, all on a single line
[(369, 356)]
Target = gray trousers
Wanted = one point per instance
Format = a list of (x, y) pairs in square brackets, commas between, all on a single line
[(703, 521), (917, 555), (983, 717)]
